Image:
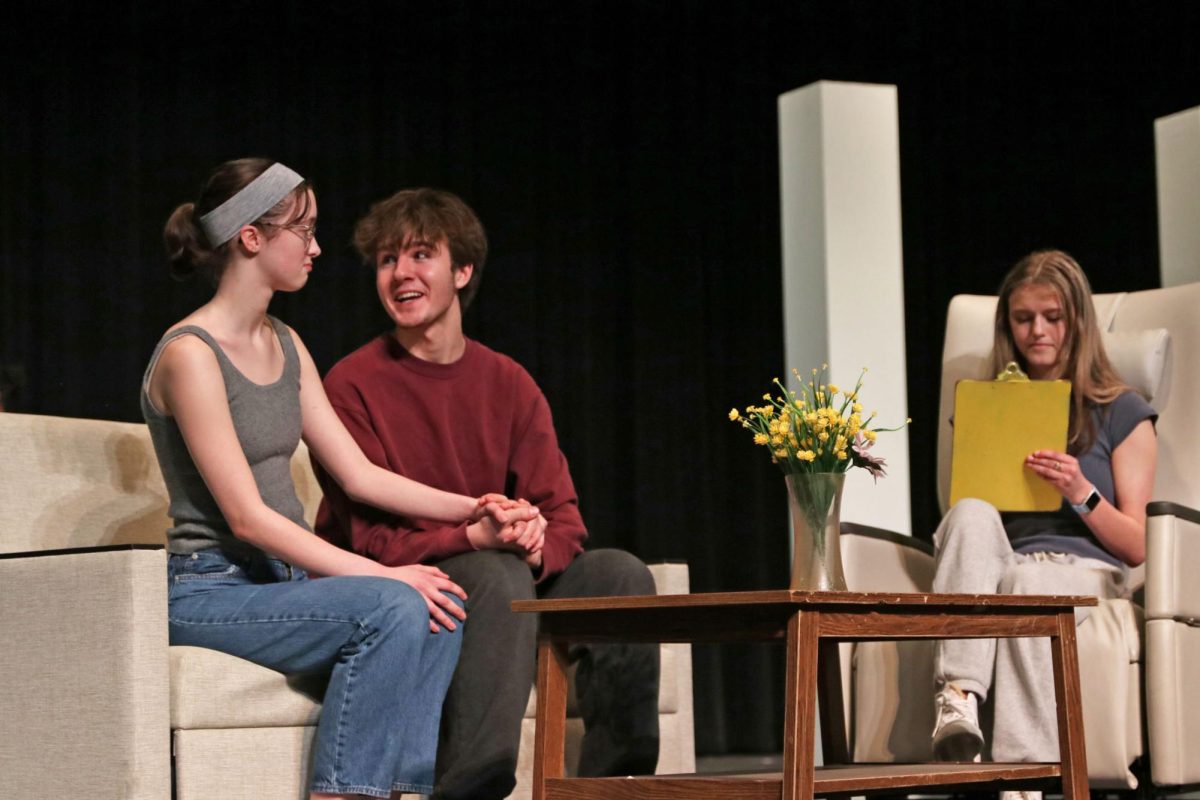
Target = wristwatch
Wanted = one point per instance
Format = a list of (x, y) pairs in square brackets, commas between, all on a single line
[(1089, 503)]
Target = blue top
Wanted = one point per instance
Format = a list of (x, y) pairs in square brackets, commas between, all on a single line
[(1063, 531)]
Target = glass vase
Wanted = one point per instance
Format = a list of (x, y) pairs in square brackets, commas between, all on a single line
[(816, 505)]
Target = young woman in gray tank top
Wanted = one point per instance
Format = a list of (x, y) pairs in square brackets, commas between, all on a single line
[(228, 394)]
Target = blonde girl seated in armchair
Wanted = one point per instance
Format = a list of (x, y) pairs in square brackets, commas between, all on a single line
[(1045, 321)]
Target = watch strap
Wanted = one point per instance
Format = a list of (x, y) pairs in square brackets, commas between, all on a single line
[(1089, 503)]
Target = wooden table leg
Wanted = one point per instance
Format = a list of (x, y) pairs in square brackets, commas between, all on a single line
[(550, 732), (834, 742), (799, 723), (1070, 709)]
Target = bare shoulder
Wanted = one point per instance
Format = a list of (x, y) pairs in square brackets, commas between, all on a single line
[(184, 351), (185, 363)]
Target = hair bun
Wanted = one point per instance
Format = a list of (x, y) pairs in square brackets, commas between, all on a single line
[(187, 250)]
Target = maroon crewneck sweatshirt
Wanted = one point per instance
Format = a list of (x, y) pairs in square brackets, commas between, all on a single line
[(478, 425)]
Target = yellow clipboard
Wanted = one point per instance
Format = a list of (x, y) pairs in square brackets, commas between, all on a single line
[(996, 425)]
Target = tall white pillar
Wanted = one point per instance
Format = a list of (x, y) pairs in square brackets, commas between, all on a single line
[(1177, 157), (843, 298)]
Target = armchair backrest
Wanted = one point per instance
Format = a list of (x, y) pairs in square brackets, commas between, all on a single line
[(68, 483), (1153, 338)]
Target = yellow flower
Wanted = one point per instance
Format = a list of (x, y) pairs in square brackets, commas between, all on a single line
[(813, 424)]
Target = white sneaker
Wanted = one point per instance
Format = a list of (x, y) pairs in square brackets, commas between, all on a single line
[(956, 734), (1020, 796)]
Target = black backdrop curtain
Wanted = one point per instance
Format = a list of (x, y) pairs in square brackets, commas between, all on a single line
[(623, 157)]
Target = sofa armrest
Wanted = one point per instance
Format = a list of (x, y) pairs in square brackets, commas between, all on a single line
[(1172, 554), (85, 712), (677, 746), (670, 577)]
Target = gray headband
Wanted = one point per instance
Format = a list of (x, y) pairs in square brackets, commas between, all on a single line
[(255, 199)]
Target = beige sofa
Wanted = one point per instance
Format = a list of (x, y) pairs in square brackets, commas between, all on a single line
[(1129, 651), (95, 703)]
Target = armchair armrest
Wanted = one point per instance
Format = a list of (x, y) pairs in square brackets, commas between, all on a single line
[(1172, 553), (84, 654), (878, 560), (1172, 643)]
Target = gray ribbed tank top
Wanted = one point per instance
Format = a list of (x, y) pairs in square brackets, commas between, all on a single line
[(267, 420)]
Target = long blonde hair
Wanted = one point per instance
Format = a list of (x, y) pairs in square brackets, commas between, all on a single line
[(1086, 365)]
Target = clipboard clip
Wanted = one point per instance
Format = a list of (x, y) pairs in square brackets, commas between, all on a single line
[(1012, 372)]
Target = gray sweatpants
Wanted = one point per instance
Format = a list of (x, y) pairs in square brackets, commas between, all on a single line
[(974, 557)]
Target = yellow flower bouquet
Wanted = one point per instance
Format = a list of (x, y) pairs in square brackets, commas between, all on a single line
[(818, 429), (815, 436)]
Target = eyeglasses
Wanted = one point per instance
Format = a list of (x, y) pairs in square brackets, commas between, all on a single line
[(305, 232)]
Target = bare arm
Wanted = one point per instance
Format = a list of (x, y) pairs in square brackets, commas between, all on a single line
[(362, 481), (1120, 528), (188, 385), (394, 538)]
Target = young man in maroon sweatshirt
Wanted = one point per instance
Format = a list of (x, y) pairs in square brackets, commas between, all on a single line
[(427, 402)]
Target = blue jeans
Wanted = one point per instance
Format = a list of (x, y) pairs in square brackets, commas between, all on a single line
[(388, 674)]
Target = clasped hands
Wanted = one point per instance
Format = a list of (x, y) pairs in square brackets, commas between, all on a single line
[(517, 526), (497, 523)]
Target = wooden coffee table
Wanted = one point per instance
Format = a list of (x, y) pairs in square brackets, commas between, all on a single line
[(811, 624)]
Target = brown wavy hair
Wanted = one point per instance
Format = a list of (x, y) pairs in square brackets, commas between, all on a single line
[(1086, 365), (429, 216)]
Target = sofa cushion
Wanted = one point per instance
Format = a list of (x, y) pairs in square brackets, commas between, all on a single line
[(210, 689)]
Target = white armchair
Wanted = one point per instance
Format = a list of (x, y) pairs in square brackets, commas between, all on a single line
[(1153, 338)]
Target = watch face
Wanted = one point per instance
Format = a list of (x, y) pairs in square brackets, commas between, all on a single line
[(1089, 503)]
